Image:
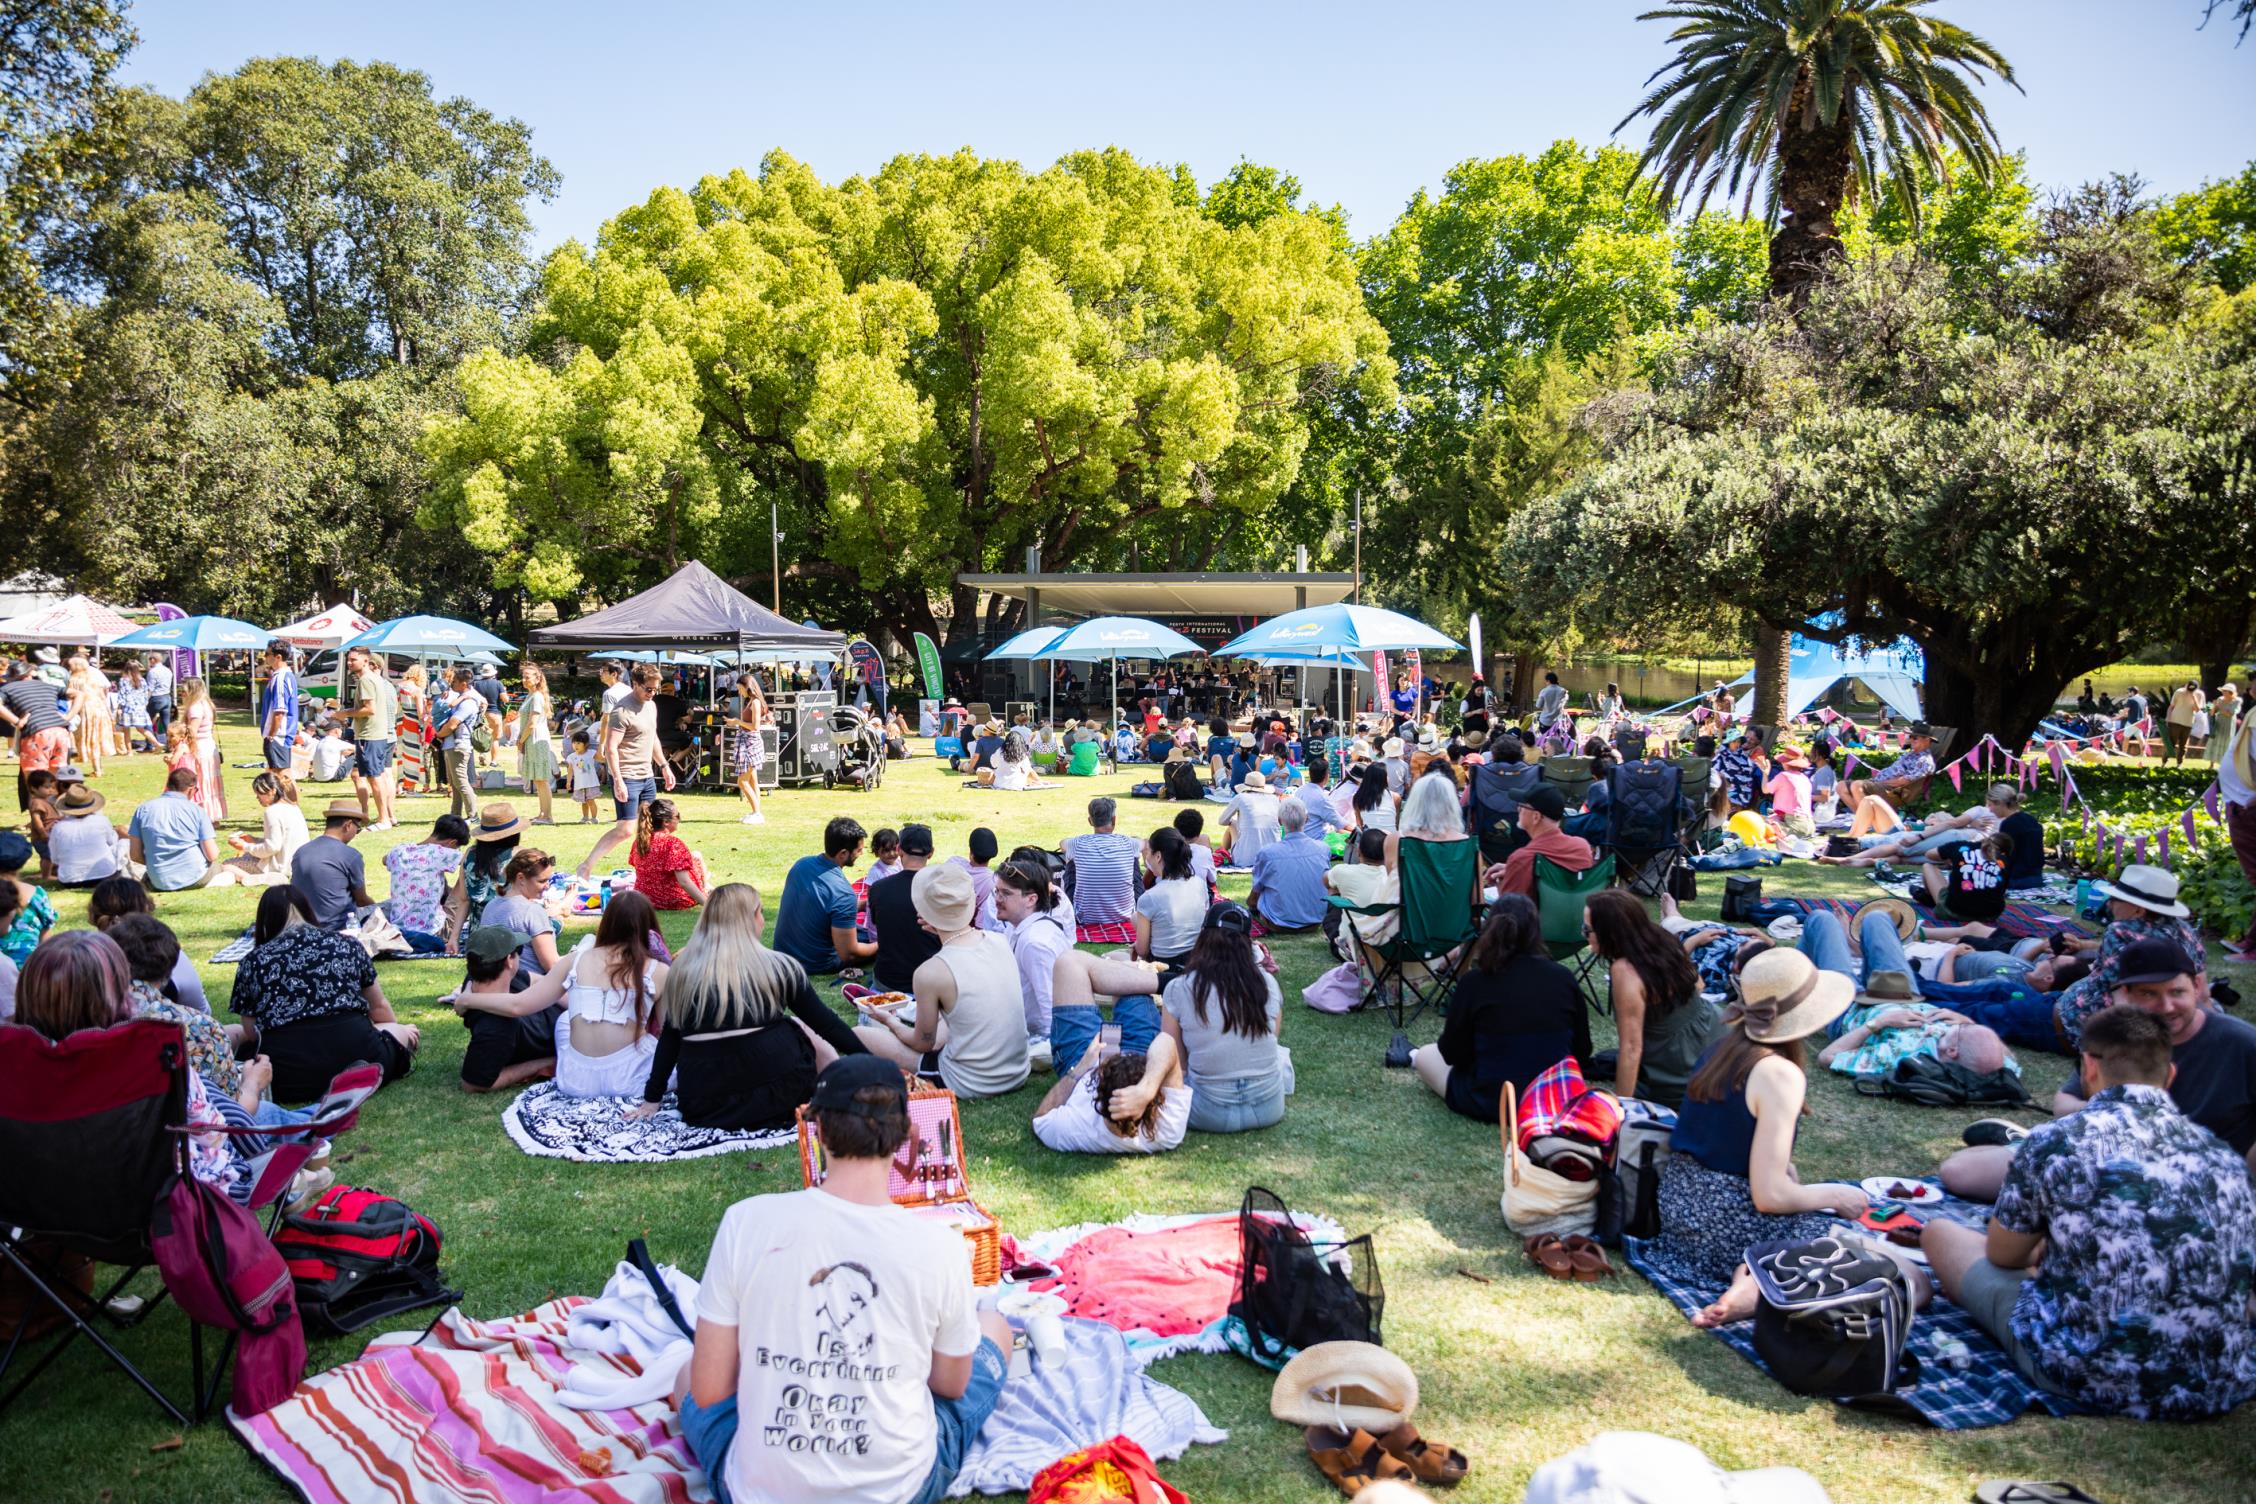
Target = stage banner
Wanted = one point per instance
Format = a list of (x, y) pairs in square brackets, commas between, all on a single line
[(928, 659), (869, 668), (1381, 684)]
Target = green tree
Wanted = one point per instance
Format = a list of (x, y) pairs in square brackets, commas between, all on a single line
[(926, 370), (2213, 229), (2025, 504), (1806, 103)]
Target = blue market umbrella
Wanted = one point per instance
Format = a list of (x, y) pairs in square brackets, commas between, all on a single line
[(1341, 627), (1113, 638), (1027, 646), (428, 636), (198, 634)]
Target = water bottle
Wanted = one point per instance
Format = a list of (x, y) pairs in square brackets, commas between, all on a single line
[(1953, 1353), (606, 893)]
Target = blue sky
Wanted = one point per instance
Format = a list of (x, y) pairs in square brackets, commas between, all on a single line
[(1365, 103)]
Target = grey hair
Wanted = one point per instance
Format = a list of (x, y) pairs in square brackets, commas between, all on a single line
[(1291, 815)]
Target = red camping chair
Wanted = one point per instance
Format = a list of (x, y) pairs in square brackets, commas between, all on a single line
[(90, 1137)]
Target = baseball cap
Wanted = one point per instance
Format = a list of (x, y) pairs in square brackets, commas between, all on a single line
[(1232, 917), (1545, 800), (2146, 961), (836, 1087), (492, 942), (916, 840)]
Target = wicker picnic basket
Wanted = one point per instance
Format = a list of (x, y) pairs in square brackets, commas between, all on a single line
[(927, 1176)]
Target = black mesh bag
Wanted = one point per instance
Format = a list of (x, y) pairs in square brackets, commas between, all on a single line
[(1295, 1291)]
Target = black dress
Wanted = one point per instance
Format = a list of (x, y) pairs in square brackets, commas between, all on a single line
[(1510, 1025), (750, 1079)]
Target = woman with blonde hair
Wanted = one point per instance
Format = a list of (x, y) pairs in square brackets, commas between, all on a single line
[(196, 715), (91, 722), (415, 693), (536, 747), (744, 1035), (283, 831)]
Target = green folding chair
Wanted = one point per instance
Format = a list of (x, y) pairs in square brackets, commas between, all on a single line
[(1570, 776), (1439, 911), (1559, 899)]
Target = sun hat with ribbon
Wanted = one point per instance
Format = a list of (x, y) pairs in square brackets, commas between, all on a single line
[(1351, 1386), (497, 820), (78, 800), (1255, 780), (2152, 888), (1783, 996)]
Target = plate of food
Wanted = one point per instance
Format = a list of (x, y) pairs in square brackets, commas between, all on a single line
[(1901, 1189)]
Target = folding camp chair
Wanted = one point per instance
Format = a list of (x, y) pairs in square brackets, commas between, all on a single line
[(1439, 911), (1559, 899), (1494, 804), (90, 1136), (1570, 776)]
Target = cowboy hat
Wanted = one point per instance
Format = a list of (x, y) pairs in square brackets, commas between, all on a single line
[(1355, 1386), (81, 800), (497, 820), (1902, 915), (2151, 888), (944, 897), (1785, 997), (1886, 989)]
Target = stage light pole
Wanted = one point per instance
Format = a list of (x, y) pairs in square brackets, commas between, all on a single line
[(775, 554)]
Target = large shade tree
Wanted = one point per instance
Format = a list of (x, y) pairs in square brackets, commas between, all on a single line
[(1796, 105)]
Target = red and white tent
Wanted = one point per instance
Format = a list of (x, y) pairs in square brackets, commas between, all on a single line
[(325, 629), (79, 619)]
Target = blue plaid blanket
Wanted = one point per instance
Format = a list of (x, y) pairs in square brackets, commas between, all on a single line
[(1989, 1391)]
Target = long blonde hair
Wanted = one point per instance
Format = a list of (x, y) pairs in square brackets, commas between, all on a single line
[(534, 678), (724, 978), (193, 692)]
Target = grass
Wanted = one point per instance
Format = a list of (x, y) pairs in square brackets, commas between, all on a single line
[(1515, 1368)]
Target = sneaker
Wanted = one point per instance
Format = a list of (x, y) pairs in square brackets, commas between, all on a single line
[(2244, 954), (755, 818), (1993, 1133)]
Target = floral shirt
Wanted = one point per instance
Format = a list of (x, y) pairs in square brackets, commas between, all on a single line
[(2089, 995), (419, 879), (301, 974), (211, 1156), (209, 1049), (1878, 1055), (2141, 1304), (1735, 770), (33, 920), (1907, 768)]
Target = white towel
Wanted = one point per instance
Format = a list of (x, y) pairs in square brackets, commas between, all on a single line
[(627, 1320)]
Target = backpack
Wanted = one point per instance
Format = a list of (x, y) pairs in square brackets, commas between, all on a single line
[(1294, 1292), (1740, 895), (1833, 1319), (1945, 1083), (222, 1272), (1641, 1149), (358, 1256)]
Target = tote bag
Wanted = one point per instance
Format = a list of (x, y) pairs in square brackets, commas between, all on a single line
[(1537, 1200)]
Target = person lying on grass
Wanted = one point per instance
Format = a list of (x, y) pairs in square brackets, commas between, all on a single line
[(1124, 1104)]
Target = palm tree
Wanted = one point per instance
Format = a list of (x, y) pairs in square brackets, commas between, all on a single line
[(1804, 102)]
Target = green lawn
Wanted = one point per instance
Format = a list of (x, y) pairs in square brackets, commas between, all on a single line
[(1515, 1368)]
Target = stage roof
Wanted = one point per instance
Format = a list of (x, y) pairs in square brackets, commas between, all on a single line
[(1163, 595)]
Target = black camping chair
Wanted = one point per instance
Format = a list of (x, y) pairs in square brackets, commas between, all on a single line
[(1646, 821), (1497, 790)]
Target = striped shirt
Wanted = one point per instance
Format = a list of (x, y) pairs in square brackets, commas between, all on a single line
[(1104, 876)]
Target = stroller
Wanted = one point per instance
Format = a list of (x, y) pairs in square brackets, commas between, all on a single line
[(857, 746)]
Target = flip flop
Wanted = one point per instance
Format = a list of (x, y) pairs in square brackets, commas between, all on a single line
[(1587, 1257), (1353, 1461), (1550, 1255), (2031, 1493), (1428, 1461)]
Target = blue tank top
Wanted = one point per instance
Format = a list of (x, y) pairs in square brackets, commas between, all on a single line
[(1720, 1135)]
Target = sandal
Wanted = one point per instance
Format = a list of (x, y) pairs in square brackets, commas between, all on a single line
[(1588, 1257), (1353, 1461), (1428, 1461), (1550, 1255), (2031, 1493)]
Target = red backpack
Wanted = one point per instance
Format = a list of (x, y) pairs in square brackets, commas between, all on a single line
[(222, 1272), (358, 1256)]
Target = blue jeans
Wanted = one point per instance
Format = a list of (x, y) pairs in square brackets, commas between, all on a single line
[(1826, 942), (160, 716), (711, 1430), (1239, 1104), (1072, 1027)]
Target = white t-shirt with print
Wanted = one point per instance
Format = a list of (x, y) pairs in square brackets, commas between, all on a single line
[(838, 1309), (1073, 1127)]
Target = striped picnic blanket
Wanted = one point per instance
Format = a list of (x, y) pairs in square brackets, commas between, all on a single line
[(1119, 932)]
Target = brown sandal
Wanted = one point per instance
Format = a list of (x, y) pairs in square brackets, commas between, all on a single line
[(1353, 1460), (1550, 1255), (1588, 1257), (1428, 1461)]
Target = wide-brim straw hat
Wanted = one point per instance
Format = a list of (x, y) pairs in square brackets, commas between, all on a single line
[(1254, 779), (1784, 996), (1353, 1386), (2154, 889), (349, 809), (1902, 915), (81, 800), (1887, 989), (498, 820), (944, 897)]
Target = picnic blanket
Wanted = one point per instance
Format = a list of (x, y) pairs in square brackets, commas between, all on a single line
[(1166, 1283), (233, 952), (2021, 920), (472, 1411), (1119, 932), (543, 1121)]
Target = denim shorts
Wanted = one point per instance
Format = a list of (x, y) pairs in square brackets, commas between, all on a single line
[(373, 759), (1239, 1104), (1071, 1029), (640, 791), (278, 753), (711, 1430)]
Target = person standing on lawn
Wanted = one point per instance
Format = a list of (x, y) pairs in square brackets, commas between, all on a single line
[(462, 713), (2236, 789), (375, 718), (160, 696), (631, 759), (278, 706), (32, 712), (2177, 721)]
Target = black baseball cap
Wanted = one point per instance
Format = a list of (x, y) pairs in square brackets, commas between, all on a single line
[(1233, 917), (1545, 800), (2147, 961), (837, 1086), (916, 840)]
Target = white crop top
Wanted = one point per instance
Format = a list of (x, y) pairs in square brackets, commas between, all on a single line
[(601, 1005)]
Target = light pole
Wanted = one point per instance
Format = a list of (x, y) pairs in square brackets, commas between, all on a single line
[(1357, 527), (775, 554)]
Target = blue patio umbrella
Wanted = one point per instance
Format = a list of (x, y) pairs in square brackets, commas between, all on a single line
[(428, 637), (1303, 661), (198, 634), (1027, 646), (1113, 638), (1342, 627)]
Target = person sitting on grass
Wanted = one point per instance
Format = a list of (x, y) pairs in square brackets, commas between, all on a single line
[(837, 1281), (902, 943), (2119, 1267), (1012, 770), (666, 871), (1288, 877), (1224, 1012), (1662, 1017), (1174, 901), (885, 856), (1513, 1015), (970, 1024), (116, 898), (980, 849), (2142, 904), (1249, 822), (311, 999), (420, 873), (745, 1036), (507, 1048), (1190, 824), (815, 920), (1100, 870), (170, 838), (265, 858), (1124, 1104), (601, 1002), (1730, 1182), (1040, 928)]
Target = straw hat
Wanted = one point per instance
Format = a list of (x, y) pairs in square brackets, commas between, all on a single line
[(1354, 1386), (80, 800), (1885, 989), (1784, 997), (349, 809), (944, 897), (1902, 915), (495, 821), (1393, 747), (2151, 888), (1255, 780), (1474, 739), (1429, 739)]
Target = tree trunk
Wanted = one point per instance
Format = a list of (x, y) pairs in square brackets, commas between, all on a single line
[(1813, 167), (2006, 706), (1773, 651), (2216, 634)]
